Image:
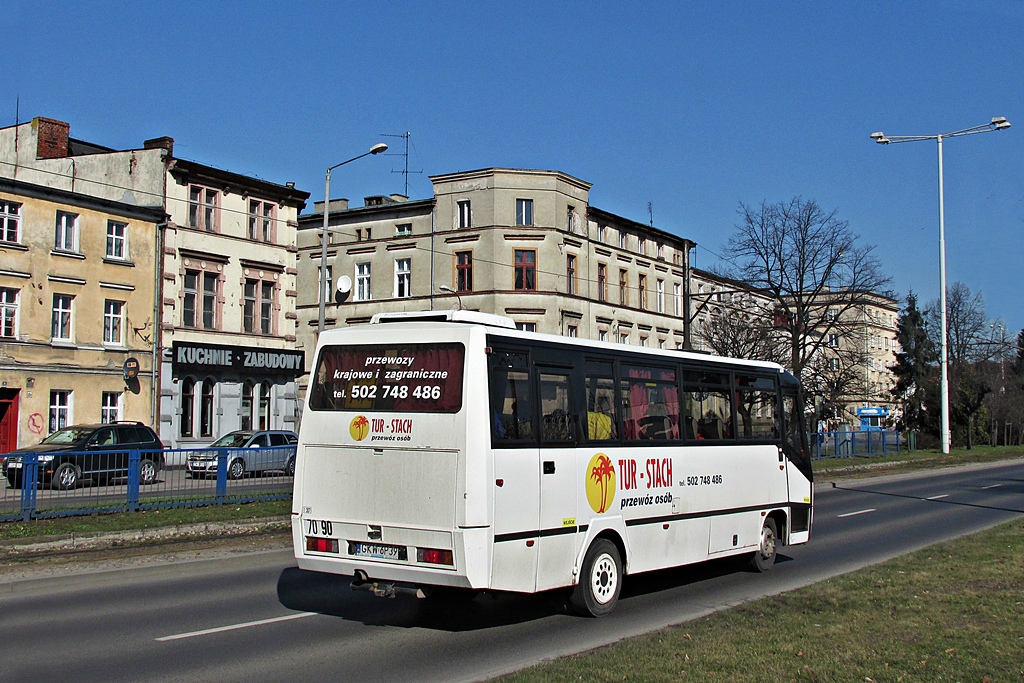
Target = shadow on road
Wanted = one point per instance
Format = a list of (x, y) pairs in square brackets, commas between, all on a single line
[(332, 595)]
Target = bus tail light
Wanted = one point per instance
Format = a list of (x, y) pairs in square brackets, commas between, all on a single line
[(433, 556), (321, 545)]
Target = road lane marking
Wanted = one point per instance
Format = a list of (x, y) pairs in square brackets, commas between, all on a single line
[(858, 512), (944, 495), (234, 627), (992, 486)]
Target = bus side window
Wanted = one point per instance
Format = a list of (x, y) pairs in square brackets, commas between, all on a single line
[(512, 405), (555, 408)]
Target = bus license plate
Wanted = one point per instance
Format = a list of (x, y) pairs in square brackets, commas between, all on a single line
[(378, 550)]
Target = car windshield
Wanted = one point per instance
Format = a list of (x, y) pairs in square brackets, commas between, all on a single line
[(231, 440), (69, 435)]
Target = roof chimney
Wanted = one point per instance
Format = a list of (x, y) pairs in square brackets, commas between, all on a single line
[(160, 143), (51, 138)]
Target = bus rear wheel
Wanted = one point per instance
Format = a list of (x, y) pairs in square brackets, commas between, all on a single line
[(600, 581)]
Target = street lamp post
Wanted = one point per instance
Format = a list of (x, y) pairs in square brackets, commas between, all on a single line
[(997, 123), (376, 149)]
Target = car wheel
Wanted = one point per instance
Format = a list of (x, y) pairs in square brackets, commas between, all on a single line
[(764, 557), (289, 469), (236, 469), (600, 580), (65, 477), (147, 472)]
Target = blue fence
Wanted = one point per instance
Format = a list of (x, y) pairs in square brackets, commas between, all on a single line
[(845, 444), (207, 476)]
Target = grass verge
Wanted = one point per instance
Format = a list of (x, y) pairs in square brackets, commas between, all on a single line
[(147, 519), (875, 465), (951, 612)]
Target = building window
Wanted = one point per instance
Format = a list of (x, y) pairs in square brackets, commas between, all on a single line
[(623, 287), (206, 409), (8, 312), (258, 307), (261, 221), (403, 230), (602, 282), (328, 284), (833, 341), (661, 251), (572, 331), (264, 405), (363, 281), (570, 274), (526, 270), (465, 214), (642, 289), (188, 397), (570, 219), (245, 414), (199, 308), (403, 278), (623, 240), (602, 233), (203, 204), (110, 407), (463, 271), (831, 315), (602, 335), (10, 221), (61, 327), (677, 299), (66, 232), (524, 212), (113, 322), (60, 409), (117, 240), (643, 341), (661, 296), (642, 246), (623, 337), (527, 327)]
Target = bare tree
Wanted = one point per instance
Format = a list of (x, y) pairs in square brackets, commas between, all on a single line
[(741, 334), (820, 278)]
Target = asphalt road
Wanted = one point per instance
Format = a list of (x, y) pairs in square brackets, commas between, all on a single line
[(258, 618)]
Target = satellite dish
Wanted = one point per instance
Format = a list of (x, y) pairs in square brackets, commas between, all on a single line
[(344, 289)]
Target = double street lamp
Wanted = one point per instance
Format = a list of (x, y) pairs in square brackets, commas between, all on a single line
[(997, 123), (376, 149)]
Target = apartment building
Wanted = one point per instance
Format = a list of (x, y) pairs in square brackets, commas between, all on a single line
[(77, 311), (224, 272), (525, 244)]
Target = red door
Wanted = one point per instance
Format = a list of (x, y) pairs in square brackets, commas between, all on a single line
[(8, 420)]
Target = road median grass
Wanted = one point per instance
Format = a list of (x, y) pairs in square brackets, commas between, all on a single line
[(951, 612)]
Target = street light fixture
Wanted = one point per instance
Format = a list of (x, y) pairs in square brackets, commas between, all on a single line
[(376, 149), (449, 290), (997, 123)]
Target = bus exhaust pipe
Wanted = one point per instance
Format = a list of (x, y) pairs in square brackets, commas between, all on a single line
[(383, 589)]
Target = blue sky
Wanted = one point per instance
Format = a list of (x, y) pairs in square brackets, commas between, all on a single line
[(691, 107)]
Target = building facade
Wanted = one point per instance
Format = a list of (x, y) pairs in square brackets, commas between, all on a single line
[(77, 311), (524, 244), (224, 273)]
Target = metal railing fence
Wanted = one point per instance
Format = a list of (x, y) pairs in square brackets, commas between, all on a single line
[(230, 475), (846, 444)]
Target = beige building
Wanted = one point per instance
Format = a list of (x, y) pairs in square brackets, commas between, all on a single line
[(225, 274), (77, 284), (525, 244)]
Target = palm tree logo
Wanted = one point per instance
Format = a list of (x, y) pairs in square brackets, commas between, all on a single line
[(600, 483), (359, 427)]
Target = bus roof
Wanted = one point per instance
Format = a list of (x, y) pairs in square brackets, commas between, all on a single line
[(458, 316)]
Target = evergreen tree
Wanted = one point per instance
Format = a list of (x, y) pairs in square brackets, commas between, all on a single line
[(916, 372)]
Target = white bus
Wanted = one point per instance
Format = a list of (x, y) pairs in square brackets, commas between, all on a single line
[(448, 451)]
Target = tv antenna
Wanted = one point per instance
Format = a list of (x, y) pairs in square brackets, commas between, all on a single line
[(650, 212), (406, 172)]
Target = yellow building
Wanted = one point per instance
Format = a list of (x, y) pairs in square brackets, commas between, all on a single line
[(77, 316)]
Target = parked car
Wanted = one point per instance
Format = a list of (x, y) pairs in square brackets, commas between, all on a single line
[(98, 452), (250, 451)]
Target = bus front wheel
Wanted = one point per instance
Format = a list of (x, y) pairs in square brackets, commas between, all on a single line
[(764, 557), (600, 581)]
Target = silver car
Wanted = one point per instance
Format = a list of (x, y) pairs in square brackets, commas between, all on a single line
[(248, 451)]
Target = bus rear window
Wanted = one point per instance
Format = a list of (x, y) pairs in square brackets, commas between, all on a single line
[(410, 378)]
